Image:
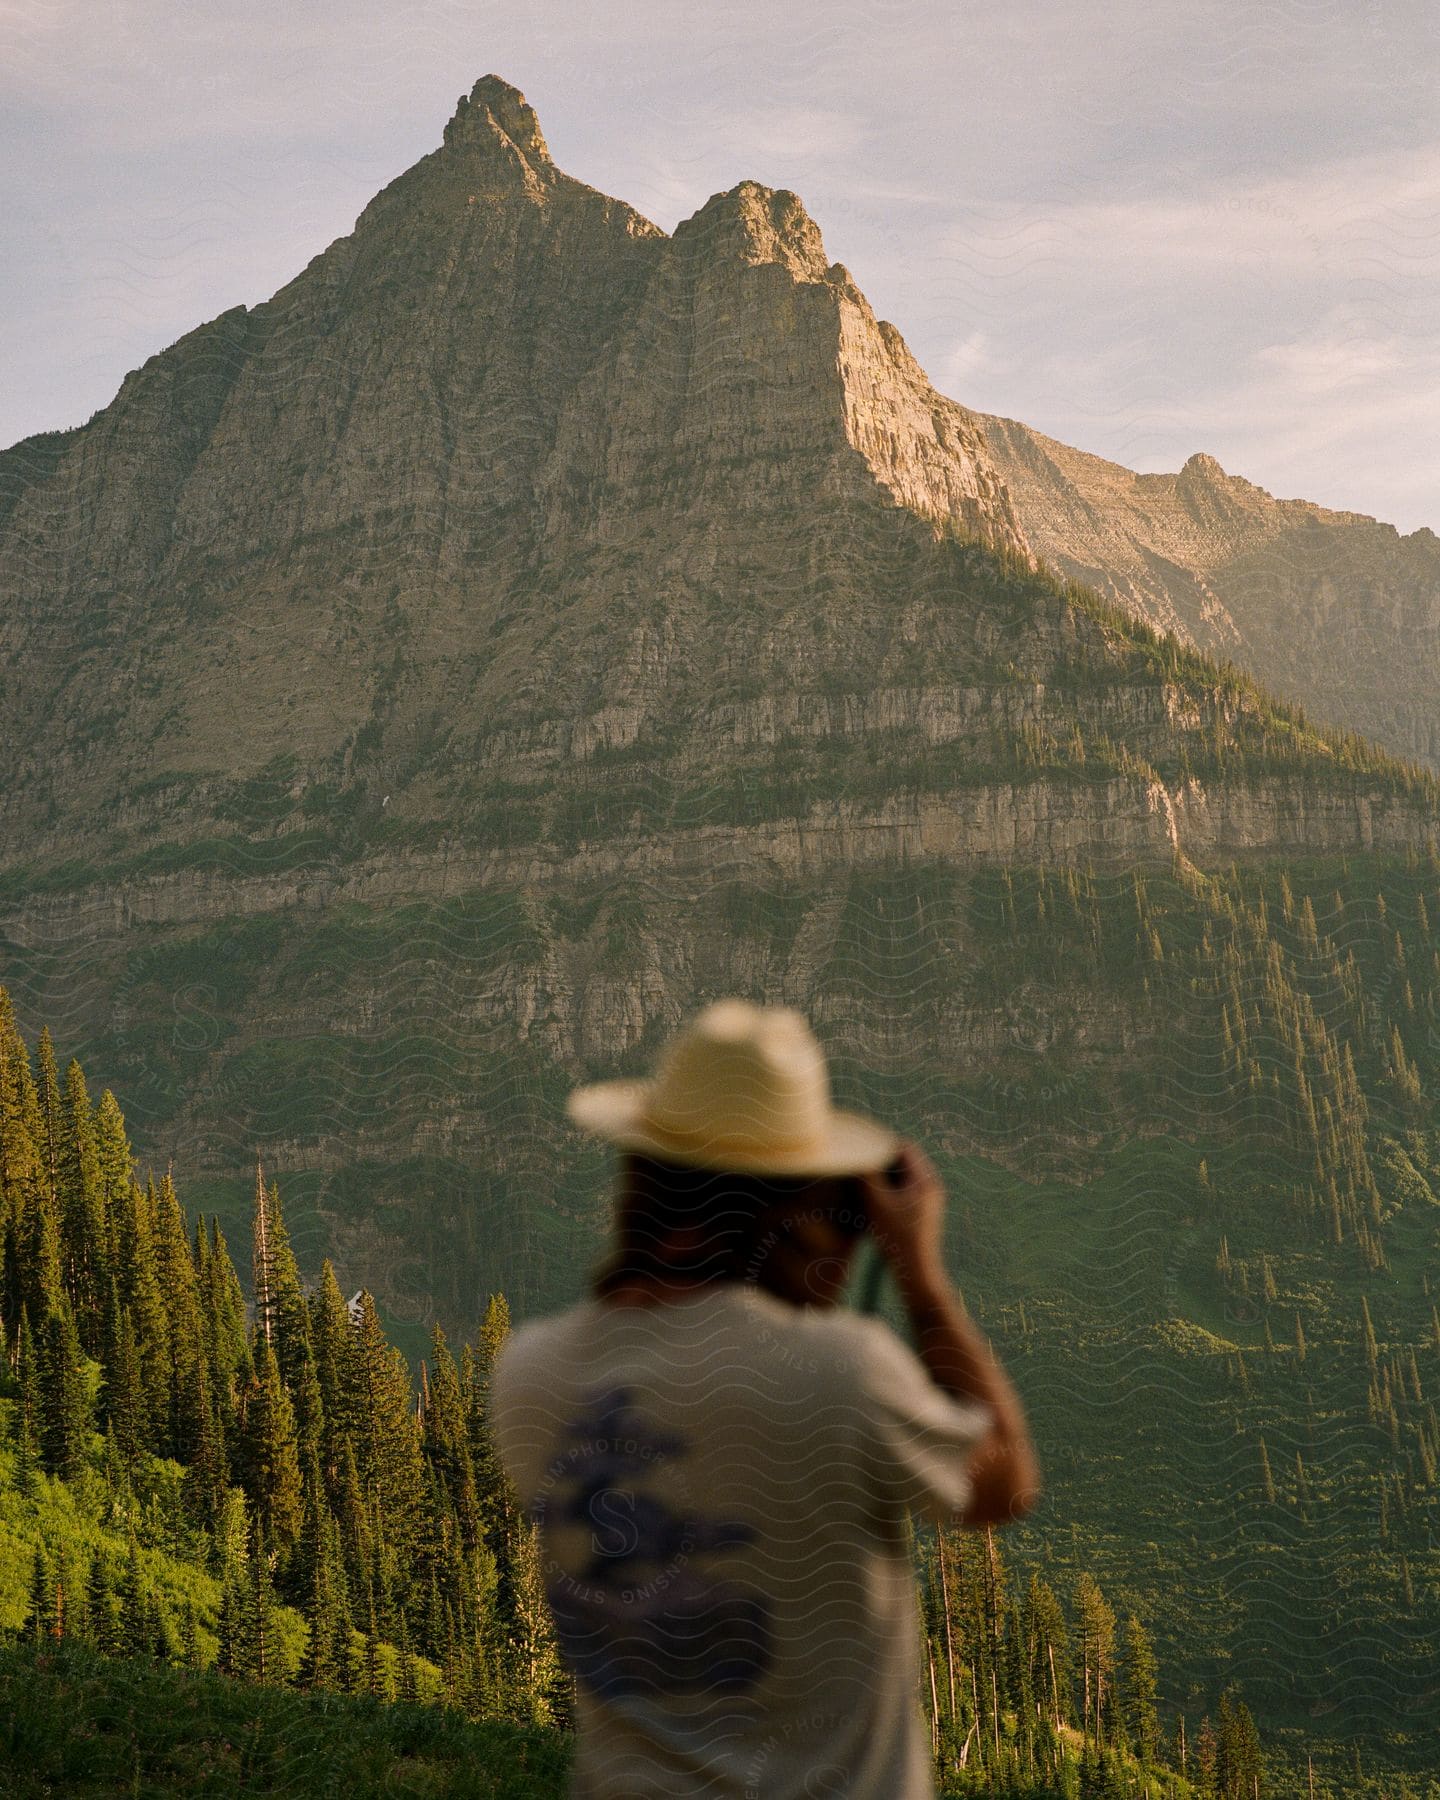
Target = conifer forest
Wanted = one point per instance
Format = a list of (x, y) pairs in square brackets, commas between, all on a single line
[(260, 1491)]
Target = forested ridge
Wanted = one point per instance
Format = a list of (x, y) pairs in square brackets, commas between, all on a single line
[(262, 1492)]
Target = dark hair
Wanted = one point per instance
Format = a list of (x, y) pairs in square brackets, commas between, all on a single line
[(737, 1217)]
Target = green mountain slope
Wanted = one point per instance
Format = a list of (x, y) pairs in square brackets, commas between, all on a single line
[(153, 1730)]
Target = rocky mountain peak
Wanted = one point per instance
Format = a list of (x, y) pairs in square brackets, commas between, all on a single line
[(496, 116), (1201, 467), (756, 224)]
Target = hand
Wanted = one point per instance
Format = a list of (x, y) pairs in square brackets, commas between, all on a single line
[(906, 1215)]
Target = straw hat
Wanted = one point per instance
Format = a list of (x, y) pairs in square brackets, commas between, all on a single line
[(742, 1088)]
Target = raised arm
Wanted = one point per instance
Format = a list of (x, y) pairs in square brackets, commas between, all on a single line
[(905, 1222)]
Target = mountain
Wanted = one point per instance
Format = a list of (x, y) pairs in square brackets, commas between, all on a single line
[(1333, 610), (503, 409), (423, 689), (508, 477), (508, 589)]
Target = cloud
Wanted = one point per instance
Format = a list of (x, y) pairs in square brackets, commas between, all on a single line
[(1318, 365), (1321, 220), (1284, 323), (965, 359)]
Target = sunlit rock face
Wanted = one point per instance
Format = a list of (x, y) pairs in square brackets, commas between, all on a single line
[(1334, 610)]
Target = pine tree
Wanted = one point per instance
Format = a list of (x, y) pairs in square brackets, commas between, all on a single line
[(1138, 1686), (446, 1441), (102, 1623), (308, 1404), (28, 1408), (387, 1442), (407, 1688), (114, 1161), (49, 1110), (1048, 1649), (1372, 1350), (534, 1674), (123, 1396), (190, 1635), (1180, 1749), (136, 1629), (353, 1520), (222, 1307), (84, 1228), (498, 1513), (65, 1411), (1095, 1630), (137, 1277), (188, 1396), (231, 1658), (281, 1315), (1237, 1750), (207, 1478), (332, 1341), (69, 1599), (267, 1451), (21, 1170), (259, 1645), (261, 1262), (1267, 1480), (40, 1616), (1205, 1758), (325, 1609), (39, 1236)]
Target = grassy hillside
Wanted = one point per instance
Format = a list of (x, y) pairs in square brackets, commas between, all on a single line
[(80, 1724)]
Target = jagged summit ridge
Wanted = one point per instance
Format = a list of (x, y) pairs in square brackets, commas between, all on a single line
[(757, 224), (494, 109)]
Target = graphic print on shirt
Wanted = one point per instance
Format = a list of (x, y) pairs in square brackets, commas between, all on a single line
[(633, 1615)]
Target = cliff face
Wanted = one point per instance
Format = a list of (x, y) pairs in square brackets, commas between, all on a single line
[(224, 562), (1331, 609)]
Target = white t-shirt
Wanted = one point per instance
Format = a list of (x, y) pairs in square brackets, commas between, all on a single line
[(721, 1485)]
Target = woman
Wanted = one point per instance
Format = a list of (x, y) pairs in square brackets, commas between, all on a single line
[(721, 1460)]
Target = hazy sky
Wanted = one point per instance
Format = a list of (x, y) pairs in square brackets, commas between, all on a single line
[(1145, 229)]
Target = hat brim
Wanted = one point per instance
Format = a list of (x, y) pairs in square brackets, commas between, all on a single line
[(614, 1110)]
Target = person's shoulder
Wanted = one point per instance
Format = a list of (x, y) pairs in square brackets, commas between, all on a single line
[(851, 1333), (844, 1342), (870, 1344), (535, 1340), (878, 1361)]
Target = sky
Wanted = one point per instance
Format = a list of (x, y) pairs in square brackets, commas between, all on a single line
[(1144, 229)]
